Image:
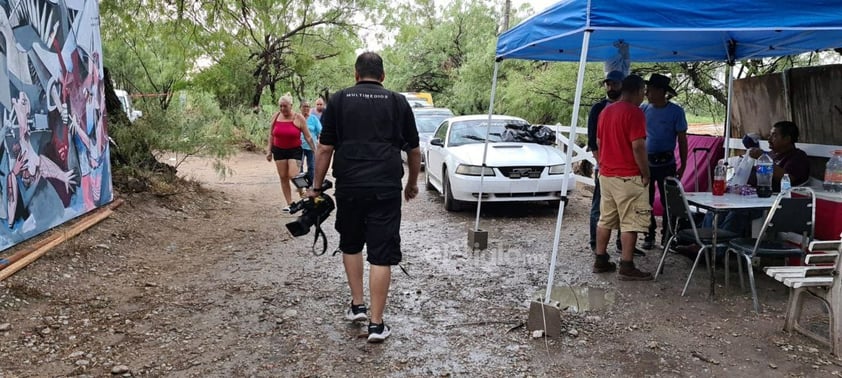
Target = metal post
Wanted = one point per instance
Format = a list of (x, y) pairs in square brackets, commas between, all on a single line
[(580, 79), (728, 111), (485, 148)]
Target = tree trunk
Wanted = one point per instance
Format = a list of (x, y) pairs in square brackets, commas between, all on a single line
[(117, 118), (255, 100)]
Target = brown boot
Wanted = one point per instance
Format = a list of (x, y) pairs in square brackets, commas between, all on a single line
[(601, 264), (629, 273)]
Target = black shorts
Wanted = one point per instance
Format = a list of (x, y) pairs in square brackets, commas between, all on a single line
[(287, 153), (373, 221)]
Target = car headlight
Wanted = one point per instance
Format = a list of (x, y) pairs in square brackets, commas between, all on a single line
[(473, 170), (557, 169)]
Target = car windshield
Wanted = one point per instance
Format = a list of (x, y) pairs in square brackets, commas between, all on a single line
[(427, 124), (428, 121), (473, 131)]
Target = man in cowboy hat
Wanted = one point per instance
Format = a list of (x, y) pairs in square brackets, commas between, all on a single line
[(666, 125)]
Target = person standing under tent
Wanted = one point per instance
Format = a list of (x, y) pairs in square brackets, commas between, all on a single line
[(613, 83), (666, 124), (623, 178)]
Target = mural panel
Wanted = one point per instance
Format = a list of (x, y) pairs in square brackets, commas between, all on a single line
[(54, 155)]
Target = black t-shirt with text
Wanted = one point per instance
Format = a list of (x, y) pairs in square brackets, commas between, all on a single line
[(368, 125)]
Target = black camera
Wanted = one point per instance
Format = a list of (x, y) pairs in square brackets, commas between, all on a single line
[(314, 211)]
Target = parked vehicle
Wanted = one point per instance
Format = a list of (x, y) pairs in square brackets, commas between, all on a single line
[(423, 95), (514, 171), (427, 120), (417, 101), (130, 111)]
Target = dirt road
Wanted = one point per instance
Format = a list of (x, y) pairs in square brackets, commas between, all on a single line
[(208, 283)]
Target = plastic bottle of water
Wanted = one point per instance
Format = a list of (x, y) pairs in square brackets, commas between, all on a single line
[(827, 185), (765, 167), (833, 173), (719, 174), (786, 186)]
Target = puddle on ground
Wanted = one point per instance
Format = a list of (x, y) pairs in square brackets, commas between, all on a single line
[(579, 298)]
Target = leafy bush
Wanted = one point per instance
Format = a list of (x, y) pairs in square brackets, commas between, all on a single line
[(192, 125), (250, 129)]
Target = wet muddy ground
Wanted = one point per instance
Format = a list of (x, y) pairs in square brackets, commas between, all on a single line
[(206, 282)]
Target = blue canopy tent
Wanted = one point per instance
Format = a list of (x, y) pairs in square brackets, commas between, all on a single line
[(668, 31), (675, 31)]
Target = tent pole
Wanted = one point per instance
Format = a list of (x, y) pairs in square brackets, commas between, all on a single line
[(485, 148), (574, 120), (728, 111)]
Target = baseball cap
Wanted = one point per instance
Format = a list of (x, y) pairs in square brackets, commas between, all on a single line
[(615, 76), (751, 140)]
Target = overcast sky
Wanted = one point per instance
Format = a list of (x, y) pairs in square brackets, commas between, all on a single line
[(538, 5), (373, 44)]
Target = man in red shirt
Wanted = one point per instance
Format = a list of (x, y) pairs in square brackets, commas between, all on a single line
[(623, 178)]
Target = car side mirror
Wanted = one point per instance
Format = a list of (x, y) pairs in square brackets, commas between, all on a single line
[(437, 142)]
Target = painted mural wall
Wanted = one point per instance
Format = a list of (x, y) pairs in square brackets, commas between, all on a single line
[(54, 155)]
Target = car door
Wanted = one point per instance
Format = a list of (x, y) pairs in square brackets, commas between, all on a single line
[(435, 154)]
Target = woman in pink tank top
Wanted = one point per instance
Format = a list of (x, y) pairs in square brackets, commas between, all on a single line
[(285, 144)]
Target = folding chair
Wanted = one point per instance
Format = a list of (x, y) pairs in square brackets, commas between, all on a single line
[(820, 282), (678, 210), (796, 215)]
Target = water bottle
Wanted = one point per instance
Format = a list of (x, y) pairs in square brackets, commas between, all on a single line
[(837, 181), (765, 166), (719, 174), (833, 173), (827, 185), (786, 186)]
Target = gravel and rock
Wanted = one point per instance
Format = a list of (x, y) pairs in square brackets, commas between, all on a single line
[(205, 281)]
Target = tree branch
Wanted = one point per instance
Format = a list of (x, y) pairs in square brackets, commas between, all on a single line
[(701, 83)]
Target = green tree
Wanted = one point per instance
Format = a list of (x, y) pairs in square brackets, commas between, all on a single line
[(147, 50), (283, 38), (431, 47)]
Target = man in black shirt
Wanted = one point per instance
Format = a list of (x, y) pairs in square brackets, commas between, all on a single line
[(364, 128)]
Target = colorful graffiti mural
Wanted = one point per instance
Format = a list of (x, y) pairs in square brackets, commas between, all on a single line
[(54, 156)]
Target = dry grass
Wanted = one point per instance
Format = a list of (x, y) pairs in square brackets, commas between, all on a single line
[(706, 129)]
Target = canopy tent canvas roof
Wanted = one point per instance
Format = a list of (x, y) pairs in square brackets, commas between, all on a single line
[(675, 31), (666, 31)]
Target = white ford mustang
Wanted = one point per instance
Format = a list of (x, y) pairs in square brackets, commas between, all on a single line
[(514, 171)]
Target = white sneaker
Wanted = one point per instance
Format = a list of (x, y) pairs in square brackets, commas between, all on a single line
[(356, 312), (286, 209), (378, 332)]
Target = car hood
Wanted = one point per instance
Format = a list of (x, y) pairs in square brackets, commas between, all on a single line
[(508, 154)]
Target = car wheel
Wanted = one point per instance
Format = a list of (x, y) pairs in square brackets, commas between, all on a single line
[(450, 204), (427, 182)]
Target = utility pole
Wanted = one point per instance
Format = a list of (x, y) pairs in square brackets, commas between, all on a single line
[(506, 10)]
